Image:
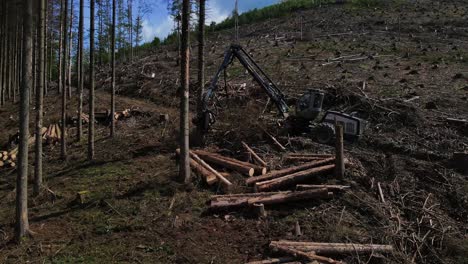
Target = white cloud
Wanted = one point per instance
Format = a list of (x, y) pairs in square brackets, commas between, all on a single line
[(215, 12), (161, 29)]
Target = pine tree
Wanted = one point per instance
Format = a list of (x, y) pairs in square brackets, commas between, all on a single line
[(91, 88), (39, 100), (63, 142), (184, 169), (112, 129), (80, 70), (22, 221)]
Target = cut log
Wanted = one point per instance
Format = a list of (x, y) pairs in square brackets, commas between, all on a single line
[(303, 255), (257, 158), (287, 171), (230, 163), (2, 163), (339, 152), (243, 200), (273, 261), (301, 187), (258, 169), (294, 178), (301, 158), (280, 146), (209, 168), (201, 171), (312, 155), (335, 248)]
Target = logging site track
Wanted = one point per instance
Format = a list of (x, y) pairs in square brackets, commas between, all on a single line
[(404, 68)]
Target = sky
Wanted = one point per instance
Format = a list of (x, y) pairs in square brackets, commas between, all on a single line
[(159, 23)]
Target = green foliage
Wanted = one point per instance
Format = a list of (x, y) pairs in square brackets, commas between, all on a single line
[(156, 42)]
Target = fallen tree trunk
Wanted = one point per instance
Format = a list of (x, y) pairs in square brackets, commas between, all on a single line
[(230, 163), (317, 155), (287, 171), (209, 168), (301, 158), (301, 187), (297, 177), (334, 248), (254, 155), (303, 255), (244, 200), (273, 261), (209, 177)]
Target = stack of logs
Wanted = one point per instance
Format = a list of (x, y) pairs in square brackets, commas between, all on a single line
[(8, 159), (52, 133), (293, 177)]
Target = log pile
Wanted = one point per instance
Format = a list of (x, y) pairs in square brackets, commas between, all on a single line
[(52, 134), (8, 159)]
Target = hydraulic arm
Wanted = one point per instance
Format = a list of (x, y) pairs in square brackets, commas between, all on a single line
[(236, 51)]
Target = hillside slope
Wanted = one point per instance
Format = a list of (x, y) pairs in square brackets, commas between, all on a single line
[(403, 68)]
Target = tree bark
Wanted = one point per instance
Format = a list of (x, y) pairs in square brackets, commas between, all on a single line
[(60, 88), (339, 161), (80, 70), (22, 222), (335, 248), (70, 46), (201, 55), (39, 101), (184, 169), (112, 127), (269, 198), (63, 141), (91, 88)]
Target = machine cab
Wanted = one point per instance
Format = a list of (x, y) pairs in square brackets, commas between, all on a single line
[(309, 105)]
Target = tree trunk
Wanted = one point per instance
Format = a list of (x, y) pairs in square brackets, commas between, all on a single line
[(22, 222), (2, 51), (70, 46), (184, 169), (91, 88), (63, 141), (80, 70), (201, 56), (112, 128), (39, 101), (60, 88)]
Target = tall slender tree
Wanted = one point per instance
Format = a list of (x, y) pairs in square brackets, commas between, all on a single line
[(184, 169), (69, 55), (22, 221), (63, 141), (91, 87), (112, 128), (201, 54), (39, 100), (60, 55), (80, 70)]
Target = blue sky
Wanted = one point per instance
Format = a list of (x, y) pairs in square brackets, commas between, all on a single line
[(159, 23)]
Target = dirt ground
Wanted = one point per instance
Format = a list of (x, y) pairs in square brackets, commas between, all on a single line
[(404, 68)]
